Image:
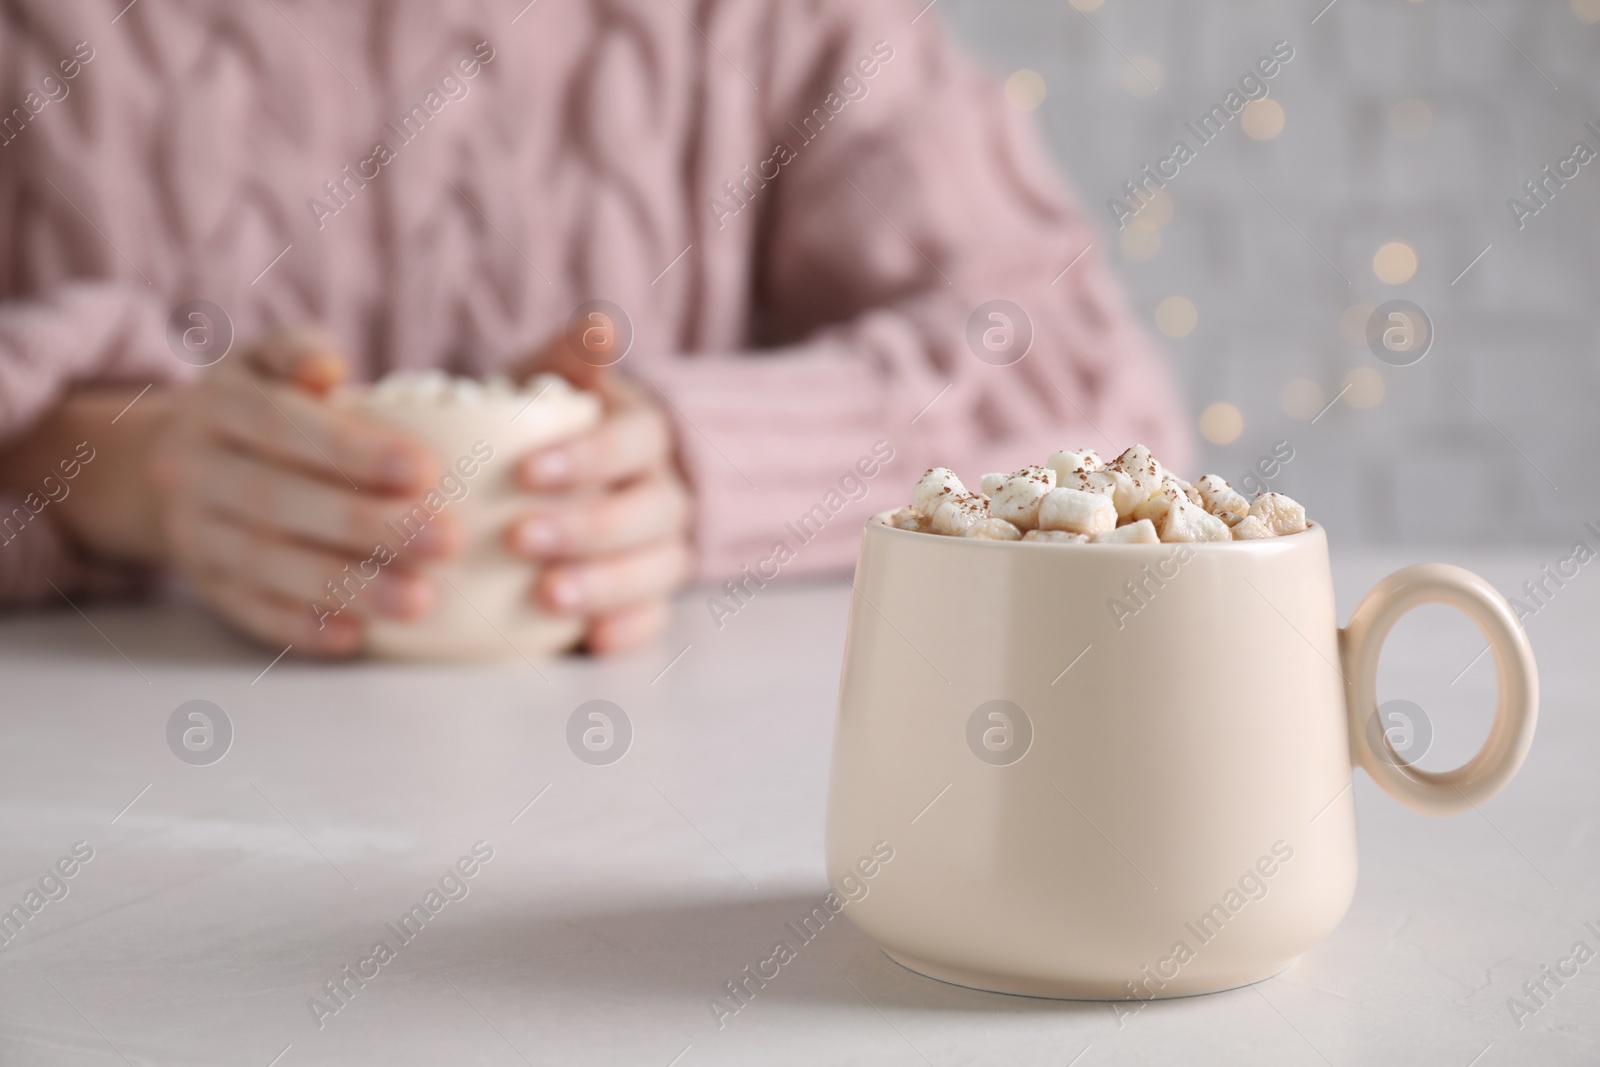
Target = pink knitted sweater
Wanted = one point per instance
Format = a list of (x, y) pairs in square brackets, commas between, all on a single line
[(798, 203)]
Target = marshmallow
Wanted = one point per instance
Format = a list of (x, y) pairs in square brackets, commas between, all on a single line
[(1060, 536), (436, 388), (1142, 532), (905, 519), (1075, 497), (1156, 507), (1190, 522), (1017, 499), (1138, 464), (1099, 481), (957, 514), (993, 530), (1122, 490), (1065, 463), (1251, 528), (1127, 494), (1280, 514), (1076, 511), (1220, 498), (933, 488)]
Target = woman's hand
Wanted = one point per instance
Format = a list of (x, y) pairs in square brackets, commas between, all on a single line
[(611, 520), (268, 494)]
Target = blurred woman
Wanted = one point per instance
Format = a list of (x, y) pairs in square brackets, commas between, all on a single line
[(800, 212)]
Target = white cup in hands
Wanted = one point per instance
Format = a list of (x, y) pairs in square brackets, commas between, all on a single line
[(277, 487), (485, 607)]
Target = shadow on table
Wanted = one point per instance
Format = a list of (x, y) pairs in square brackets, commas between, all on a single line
[(692, 950)]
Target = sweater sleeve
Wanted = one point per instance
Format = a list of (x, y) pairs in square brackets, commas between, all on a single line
[(80, 332), (880, 244), (73, 310)]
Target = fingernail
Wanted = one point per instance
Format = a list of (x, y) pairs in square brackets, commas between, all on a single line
[(564, 591), (539, 537), (401, 597), (318, 370), (550, 468), (399, 470)]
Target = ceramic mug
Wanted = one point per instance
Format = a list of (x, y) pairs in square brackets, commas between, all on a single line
[(483, 607), (1114, 771)]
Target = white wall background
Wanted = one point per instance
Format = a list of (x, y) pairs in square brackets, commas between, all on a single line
[(1405, 120)]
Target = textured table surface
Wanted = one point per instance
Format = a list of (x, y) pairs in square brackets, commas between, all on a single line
[(221, 898)]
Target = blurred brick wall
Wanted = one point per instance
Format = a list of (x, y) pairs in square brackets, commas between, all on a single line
[(1403, 121)]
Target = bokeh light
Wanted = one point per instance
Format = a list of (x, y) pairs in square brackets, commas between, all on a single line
[(1263, 119), (1395, 263), (1140, 244), (1366, 387), (1221, 423), (1025, 89), (1176, 316), (1157, 210), (1142, 75), (1353, 323), (1411, 119), (1302, 399)]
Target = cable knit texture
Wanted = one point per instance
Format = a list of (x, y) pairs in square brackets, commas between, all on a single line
[(798, 244)]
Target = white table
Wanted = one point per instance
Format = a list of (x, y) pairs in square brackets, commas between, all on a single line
[(617, 905)]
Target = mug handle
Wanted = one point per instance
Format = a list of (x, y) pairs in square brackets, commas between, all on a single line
[(1516, 709)]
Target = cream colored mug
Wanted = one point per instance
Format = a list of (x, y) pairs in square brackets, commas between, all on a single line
[(1124, 771), (484, 608)]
